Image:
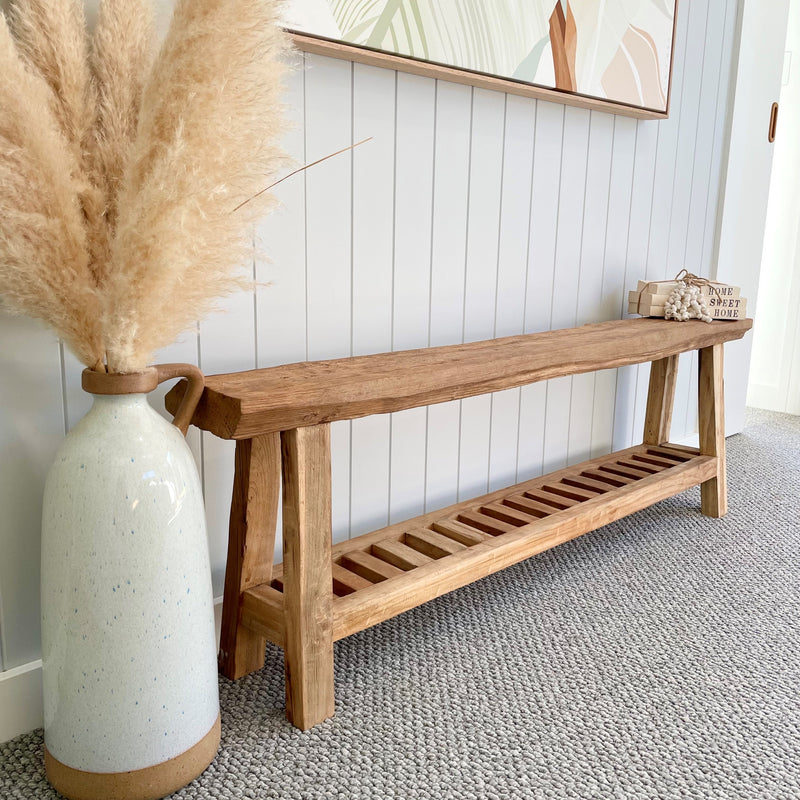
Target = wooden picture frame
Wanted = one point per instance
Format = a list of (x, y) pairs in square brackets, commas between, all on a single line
[(563, 55)]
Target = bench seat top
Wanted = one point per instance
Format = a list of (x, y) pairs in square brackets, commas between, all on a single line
[(240, 405)]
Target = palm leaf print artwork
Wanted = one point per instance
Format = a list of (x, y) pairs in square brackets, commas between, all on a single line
[(618, 50)]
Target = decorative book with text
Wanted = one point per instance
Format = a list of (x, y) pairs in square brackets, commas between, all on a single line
[(723, 301)]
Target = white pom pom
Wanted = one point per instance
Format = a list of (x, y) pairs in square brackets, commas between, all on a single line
[(686, 302)]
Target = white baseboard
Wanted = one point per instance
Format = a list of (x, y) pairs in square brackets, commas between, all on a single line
[(20, 700), (21, 705), (692, 440)]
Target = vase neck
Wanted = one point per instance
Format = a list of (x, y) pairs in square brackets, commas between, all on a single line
[(103, 383)]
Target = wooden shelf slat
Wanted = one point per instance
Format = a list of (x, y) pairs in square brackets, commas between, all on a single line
[(562, 490), (345, 581), (369, 567), (647, 458), (396, 568), (584, 482), (508, 514), (433, 544), (485, 523), (638, 467), (533, 507), (608, 478), (529, 490), (459, 531), (551, 500), (383, 601), (617, 468), (671, 455), (400, 555)]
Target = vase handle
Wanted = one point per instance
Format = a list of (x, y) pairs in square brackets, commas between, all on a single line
[(194, 391)]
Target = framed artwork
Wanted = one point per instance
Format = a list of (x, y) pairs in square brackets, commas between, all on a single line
[(613, 55)]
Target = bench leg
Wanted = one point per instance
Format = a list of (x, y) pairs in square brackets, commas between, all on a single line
[(660, 398), (307, 581), (714, 492), (251, 546)]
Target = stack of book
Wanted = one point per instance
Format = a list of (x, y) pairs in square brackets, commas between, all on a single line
[(723, 301)]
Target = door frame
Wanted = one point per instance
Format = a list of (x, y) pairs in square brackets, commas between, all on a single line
[(756, 71)]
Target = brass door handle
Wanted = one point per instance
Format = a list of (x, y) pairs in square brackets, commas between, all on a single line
[(773, 122)]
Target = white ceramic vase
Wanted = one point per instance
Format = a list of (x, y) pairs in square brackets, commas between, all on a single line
[(128, 647)]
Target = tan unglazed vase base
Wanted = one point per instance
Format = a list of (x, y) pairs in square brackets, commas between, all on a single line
[(151, 783)]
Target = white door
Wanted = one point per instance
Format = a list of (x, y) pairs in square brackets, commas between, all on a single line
[(775, 365), (747, 179)]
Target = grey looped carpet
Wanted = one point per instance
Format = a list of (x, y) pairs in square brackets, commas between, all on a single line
[(658, 657)]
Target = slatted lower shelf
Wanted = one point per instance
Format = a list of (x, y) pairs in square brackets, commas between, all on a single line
[(382, 574)]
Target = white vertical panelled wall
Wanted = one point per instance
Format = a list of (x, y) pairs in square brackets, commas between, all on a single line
[(470, 214)]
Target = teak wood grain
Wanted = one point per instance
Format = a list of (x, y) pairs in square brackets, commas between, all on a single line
[(263, 613), (308, 642), (660, 399), (711, 414), (251, 545), (245, 404)]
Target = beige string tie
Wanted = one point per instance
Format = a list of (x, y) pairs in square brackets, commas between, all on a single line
[(689, 278)]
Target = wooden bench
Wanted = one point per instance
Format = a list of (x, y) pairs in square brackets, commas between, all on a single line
[(280, 419)]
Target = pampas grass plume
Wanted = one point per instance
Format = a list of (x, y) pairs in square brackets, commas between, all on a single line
[(44, 269), (122, 54), (51, 39), (207, 127), (129, 184)]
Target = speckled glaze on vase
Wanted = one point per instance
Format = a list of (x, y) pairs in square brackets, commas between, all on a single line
[(128, 643)]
